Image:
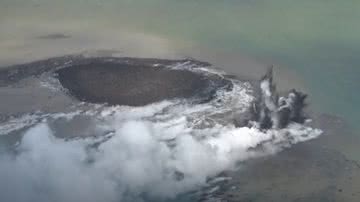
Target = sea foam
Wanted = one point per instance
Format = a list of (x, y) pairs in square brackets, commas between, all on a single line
[(157, 151)]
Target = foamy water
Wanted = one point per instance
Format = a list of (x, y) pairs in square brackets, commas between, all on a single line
[(121, 153)]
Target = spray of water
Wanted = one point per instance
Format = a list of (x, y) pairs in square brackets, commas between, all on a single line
[(154, 152)]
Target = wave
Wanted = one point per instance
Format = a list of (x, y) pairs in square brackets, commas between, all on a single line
[(122, 153)]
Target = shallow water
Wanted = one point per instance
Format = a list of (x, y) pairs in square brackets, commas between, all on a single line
[(159, 151), (314, 43), (318, 39)]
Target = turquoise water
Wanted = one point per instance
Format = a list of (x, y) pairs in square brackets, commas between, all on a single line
[(318, 39)]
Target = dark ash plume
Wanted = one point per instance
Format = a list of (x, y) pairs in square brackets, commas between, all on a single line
[(273, 111)]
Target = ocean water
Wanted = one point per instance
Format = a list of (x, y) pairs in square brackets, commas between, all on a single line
[(318, 39), (162, 151), (314, 45)]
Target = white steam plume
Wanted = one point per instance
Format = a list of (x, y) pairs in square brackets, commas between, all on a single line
[(152, 152)]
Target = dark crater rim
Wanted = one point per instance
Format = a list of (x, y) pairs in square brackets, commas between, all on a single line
[(133, 83)]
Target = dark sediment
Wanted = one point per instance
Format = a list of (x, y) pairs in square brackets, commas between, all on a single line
[(134, 85), (12, 74), (308, 172), (54, 36), (122, 81)]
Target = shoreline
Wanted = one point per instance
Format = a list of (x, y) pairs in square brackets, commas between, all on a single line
[(283, 164), (138, 82)]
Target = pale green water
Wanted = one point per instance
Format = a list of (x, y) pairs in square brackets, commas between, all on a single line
[(318, 39)]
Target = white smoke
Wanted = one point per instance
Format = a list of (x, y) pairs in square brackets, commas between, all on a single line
[(152, 152)]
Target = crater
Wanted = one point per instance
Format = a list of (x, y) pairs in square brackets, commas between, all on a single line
[(136, 83)]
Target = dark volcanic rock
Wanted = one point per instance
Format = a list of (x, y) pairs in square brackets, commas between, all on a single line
[(12, 74), (135, 84), (123, 80), (15, 73)]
